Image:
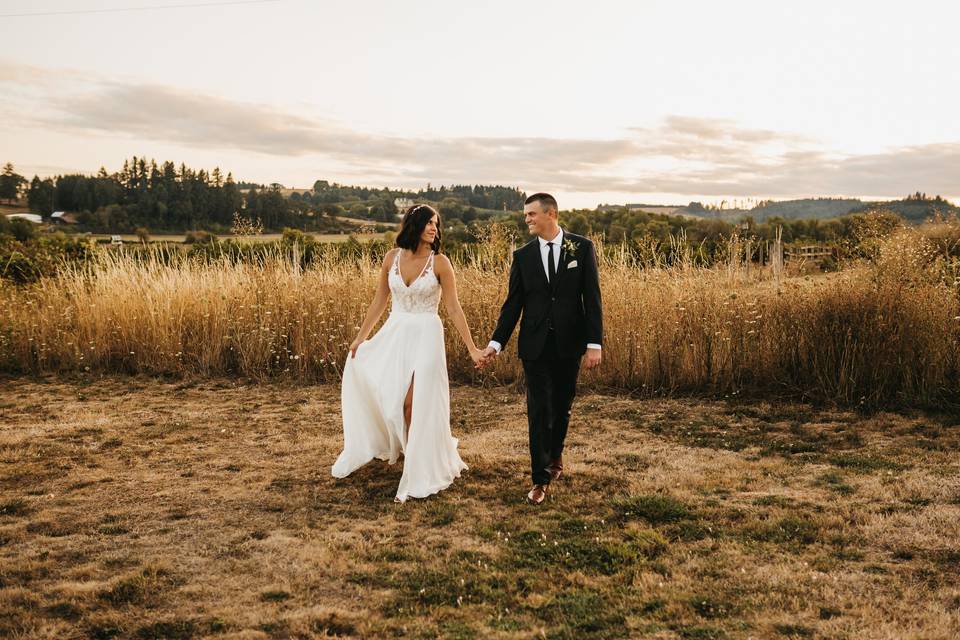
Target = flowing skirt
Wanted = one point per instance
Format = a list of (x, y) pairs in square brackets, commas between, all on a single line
[(409, 347)]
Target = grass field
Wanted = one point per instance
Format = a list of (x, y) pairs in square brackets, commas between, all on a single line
[(139, 508), (880, 334)]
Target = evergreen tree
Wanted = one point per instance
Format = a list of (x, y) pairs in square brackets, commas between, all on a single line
[(10, 183), (40, 197)]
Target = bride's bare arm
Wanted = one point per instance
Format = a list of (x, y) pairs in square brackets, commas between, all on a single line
[(448, 283), (378, 305)]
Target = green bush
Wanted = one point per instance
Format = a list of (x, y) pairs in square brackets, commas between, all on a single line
[(18, 267), (199, 237), (22, 230), (291, 236), (26, 261)]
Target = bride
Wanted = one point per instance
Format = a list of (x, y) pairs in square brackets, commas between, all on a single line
[(395, 395)]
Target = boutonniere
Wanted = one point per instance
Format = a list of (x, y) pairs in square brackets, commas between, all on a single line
[(569, 246)]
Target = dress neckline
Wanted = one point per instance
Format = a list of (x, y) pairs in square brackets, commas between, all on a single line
[(420, 275)]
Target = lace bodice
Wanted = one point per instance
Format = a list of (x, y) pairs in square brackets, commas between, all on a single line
[(423, 294)]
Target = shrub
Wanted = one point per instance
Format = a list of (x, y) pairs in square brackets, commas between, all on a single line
[(199, 237)]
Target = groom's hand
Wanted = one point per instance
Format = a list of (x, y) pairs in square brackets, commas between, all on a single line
[(486, 357), (591, 359)]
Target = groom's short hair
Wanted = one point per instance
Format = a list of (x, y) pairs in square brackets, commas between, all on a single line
[(546, 201)]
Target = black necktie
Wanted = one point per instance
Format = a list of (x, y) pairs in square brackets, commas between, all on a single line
[(551, 269)]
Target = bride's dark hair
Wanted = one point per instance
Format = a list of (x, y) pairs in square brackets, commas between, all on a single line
[(414, 221)]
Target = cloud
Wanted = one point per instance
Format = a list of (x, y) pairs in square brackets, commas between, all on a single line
[(23, 74), (681, 155), (686, 127), (198, 120), (933, 168)]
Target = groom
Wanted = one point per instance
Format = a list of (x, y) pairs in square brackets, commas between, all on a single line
[(554, 292)]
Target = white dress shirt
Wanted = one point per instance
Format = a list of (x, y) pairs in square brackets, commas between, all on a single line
[(544, 252), (557, 243)]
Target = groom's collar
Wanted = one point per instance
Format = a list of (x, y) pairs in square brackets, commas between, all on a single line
[(557, 240)]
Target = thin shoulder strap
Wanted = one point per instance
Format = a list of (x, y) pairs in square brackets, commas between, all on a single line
[(396, 259), (430, 261)]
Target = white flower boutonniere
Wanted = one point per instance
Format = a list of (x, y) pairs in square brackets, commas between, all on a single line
[(569, 246)]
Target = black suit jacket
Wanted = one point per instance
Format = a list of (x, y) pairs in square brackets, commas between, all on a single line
[(571, 303)]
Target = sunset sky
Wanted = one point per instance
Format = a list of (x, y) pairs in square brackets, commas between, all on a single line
[(642, 101)]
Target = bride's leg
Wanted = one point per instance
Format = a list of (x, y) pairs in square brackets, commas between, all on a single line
[(408, 408)]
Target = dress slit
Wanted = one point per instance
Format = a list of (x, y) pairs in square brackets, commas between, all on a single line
[(409, 392)]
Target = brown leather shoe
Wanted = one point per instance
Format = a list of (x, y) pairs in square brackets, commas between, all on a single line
[(538, 494), (556, 469)]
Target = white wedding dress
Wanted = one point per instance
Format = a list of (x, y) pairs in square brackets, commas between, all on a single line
[(408, 347)]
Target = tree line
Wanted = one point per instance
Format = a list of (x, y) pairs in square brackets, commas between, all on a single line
[(143, 194), (635, 228), (168, 197), (479, 196)]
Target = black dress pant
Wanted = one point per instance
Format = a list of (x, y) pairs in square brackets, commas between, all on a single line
[(551, 387)]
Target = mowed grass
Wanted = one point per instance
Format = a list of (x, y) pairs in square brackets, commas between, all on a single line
[(138, 508)]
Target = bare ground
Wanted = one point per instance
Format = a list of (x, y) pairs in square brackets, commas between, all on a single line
[(138, 508)]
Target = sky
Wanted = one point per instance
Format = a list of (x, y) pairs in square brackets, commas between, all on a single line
[(595, 102)]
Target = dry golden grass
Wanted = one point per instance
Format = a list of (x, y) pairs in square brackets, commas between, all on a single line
[(138, 508), (885, 333)]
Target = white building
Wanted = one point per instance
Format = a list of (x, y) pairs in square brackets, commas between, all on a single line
[(36, 218), (62, 217)]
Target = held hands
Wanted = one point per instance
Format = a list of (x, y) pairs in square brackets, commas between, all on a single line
[(481, 358), (477, 356)]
